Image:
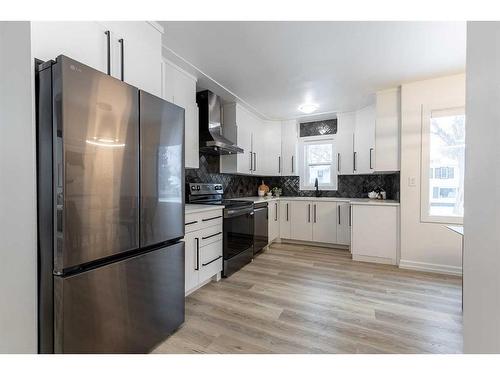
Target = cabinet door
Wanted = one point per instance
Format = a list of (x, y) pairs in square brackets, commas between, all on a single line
[(387, 131), (289, 143), (141, 47), (270, 159), (191, 149), (375, 233), (364, 141), (274, 220), (285, 219), (259, 147), (82, 41), (244, 140), (324, 218), (343, 225), (192, 260), (345, 142), (301, 220), (168, 79)]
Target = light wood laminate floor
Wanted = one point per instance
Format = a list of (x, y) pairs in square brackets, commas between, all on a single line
[(305, 299)]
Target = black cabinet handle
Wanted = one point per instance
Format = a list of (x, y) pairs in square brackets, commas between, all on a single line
[(292, 163), (350, 215), (251, 161), (191, 222), (287, 212), (254, 161), (279, 164), (354, 161), (371, 150), (122, 50), (338, 162), (212, 235), (197, 254), (211, 218), (315, 212), (108, 52), (308, 213), (338, 210), (213, 260), (276, 212)]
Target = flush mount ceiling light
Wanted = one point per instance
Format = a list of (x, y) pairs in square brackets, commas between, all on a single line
[(308, 107), (106, 142)]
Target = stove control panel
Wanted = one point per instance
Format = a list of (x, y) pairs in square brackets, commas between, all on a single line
[(202, 189)]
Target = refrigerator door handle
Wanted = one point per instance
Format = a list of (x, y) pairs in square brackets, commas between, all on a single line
[(108, 52), (122, 49)]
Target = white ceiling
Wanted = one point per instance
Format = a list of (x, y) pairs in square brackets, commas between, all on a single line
[(274, 67)]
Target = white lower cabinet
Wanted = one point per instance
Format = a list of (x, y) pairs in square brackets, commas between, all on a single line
[(300, 221), (274, 215), (315, 221), (285, 222), (343, 223), (374, 233), (324, 218), (203, 248)]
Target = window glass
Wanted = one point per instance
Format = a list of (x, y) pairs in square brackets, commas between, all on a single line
[(318, 161), (447, 161)]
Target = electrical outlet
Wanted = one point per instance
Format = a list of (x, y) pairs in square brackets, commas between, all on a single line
[(412, 181)]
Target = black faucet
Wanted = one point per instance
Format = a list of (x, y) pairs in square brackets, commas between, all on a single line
[(316, 186)]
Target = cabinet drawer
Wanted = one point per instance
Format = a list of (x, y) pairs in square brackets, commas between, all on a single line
[(200, 220), (209, 235), (210, 260)]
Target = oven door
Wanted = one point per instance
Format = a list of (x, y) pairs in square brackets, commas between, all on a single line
[(238, 231)]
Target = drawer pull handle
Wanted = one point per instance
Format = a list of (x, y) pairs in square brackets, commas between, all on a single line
[(211, 218), (197, 268), (212, 235), (191, 222), (213, 260)]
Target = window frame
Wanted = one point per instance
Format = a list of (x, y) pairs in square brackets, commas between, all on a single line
[(425, 166), (303, 168)]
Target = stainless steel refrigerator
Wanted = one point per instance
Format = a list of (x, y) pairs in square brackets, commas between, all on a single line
[(110, 164)]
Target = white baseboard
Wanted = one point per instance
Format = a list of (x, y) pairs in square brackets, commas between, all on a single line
[(430, 267)]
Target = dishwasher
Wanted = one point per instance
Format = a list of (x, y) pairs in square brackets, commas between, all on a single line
[(261, 234)]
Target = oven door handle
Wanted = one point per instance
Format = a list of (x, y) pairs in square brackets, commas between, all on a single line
[(228, 213)]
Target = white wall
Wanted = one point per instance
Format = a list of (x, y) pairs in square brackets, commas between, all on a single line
[(18, 258), (426, 246), (482, 190)]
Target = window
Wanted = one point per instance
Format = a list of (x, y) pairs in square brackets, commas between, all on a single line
[(317, 159), (443, 160)]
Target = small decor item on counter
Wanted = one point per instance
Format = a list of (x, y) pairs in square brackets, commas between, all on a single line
[(377, 194), (264, 188), (276, 191), (383, 195), (373, 195), (269, 194)]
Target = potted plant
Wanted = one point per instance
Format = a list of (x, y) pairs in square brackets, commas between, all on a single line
[(276, 191)]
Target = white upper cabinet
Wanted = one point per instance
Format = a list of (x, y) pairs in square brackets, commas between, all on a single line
[(260, 140), (289, 142), (85, 42), (387, 130), (270, 139), (179, 87), (345, 142), (364, 141), (238, 125), (132, 44)]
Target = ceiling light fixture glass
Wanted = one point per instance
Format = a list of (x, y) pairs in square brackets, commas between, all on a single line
[(308, 107)]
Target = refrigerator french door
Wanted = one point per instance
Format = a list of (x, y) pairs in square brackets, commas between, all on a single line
[(111, 277)]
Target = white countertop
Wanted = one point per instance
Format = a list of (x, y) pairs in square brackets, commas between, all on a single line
[(193, 208), (354, 201)]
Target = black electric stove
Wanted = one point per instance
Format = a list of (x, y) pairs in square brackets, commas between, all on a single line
[(238, 224)]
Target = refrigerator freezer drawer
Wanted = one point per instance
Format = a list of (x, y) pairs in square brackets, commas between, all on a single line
[(124, 307)]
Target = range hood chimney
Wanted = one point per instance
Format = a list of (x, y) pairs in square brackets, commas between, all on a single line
[(211, 121)]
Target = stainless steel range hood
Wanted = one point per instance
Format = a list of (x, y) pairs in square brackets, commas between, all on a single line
[(210, 129)]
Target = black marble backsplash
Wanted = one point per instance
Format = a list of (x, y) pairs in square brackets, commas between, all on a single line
[(355, 186)]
